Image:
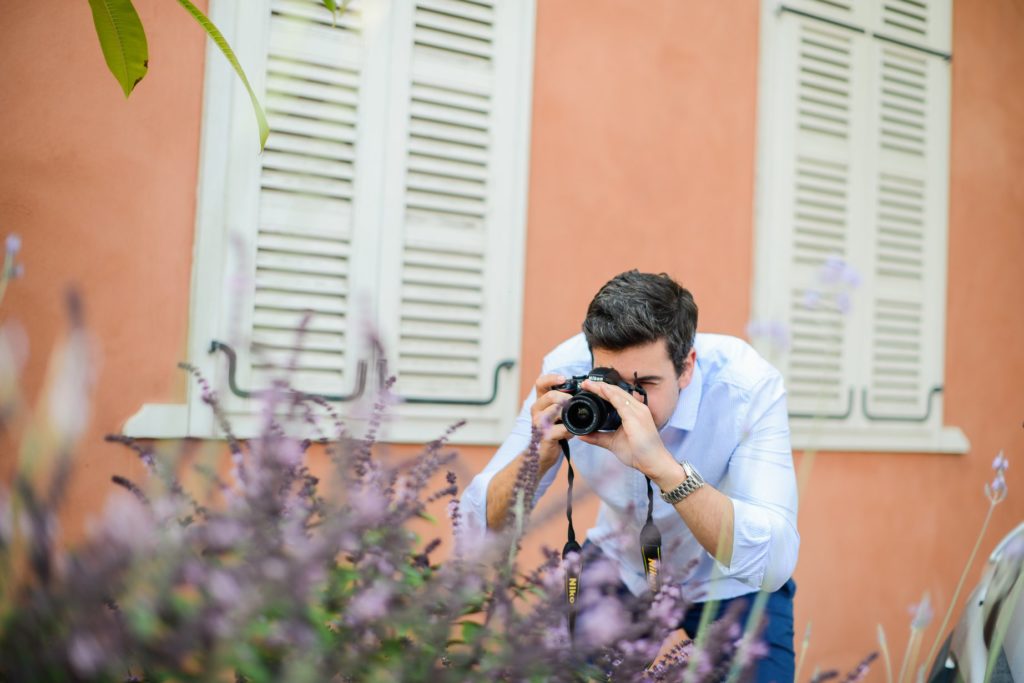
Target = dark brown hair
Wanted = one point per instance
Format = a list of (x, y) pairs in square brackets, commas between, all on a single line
[(635, 308)]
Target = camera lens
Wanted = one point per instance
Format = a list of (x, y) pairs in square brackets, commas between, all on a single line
[(583, 414)]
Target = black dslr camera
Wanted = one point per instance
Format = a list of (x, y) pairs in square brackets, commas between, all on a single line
[(587, 412)]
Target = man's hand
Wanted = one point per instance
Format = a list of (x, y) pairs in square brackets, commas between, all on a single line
[(546, 413), (636, 443)]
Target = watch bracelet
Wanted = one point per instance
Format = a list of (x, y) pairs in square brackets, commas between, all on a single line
[(692, 483)]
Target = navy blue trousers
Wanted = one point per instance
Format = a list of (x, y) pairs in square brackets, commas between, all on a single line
[(778, 666)]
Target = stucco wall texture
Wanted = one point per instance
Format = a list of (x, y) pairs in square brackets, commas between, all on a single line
[(642, 155)]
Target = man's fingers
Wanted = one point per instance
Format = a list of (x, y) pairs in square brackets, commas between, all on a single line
[(549, 415), (613, 394), (549, 398), (558, 432), (602, 439), (547, 421), (545, 382)]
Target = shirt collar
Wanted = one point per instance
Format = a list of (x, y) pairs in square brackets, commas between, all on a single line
[(684, 417)]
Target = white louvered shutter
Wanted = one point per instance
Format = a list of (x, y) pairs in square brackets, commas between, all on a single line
[(818, 183), (389, 205), (853, 163), (906, 297), (851, 12), (924, 23), (447, 272), (304, 237)]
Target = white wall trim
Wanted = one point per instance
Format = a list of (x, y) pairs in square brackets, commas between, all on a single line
[(158, 421), (806, 437)]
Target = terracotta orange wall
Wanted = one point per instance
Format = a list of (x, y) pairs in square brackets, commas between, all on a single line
[(102, 190), (643, 156)]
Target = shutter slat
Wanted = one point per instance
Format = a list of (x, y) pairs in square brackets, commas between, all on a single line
[(449, 168), (464, 97), (311, 147), (316, 13), (327, 169), (461, 135), (286, 321), (310, 128), (442, 150), (272, 338), (302, 108), (293, 74), (301, 244), (445, 113), (435, 330), (306, 184), (455, 25), (301, 264), (467, 10)]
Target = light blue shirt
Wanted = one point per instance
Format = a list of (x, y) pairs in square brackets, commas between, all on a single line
[(730, 424)]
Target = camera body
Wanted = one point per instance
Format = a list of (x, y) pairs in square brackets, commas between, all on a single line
[(586, 412)]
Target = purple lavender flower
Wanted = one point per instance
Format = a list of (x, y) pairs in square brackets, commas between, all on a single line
[(369, 604), (750, 649), (996, 490), (836, 279), (775, 332), (1000, 464), (843, 302), (126, 523), (13, 245), (862, 669), (832, 270), (86, 654), (836, 271), (224, 588), (602, 622)]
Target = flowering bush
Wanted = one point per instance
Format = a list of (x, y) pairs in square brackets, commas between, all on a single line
[(269, 574)]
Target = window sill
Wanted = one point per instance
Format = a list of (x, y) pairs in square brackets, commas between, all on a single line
[(820, 436), (171, 421)]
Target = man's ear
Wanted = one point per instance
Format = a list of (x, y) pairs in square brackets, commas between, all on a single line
[(684, 379)]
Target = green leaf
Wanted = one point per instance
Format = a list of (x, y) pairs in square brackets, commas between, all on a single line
[(123, 41), (336, 9), (470, 629), (222, 43)]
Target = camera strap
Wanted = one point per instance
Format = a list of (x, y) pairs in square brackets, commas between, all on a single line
[(650, 535), (650, 544), (573, 570)]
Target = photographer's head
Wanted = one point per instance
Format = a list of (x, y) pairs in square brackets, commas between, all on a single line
[(645, 323)]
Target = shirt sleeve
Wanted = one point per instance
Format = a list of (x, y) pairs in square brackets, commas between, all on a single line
[(473, 504), (762, 485)]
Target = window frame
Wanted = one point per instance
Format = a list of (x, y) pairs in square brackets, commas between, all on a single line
[(772, 281), (226, 168)]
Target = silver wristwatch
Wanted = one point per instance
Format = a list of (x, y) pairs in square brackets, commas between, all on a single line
[(692, 482)]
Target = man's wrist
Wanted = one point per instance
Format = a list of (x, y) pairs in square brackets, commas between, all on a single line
[(668, 474)]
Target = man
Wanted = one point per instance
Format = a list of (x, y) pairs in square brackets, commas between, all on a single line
[(715, 411)]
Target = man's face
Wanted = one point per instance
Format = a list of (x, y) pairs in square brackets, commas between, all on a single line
[(655, 372)]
